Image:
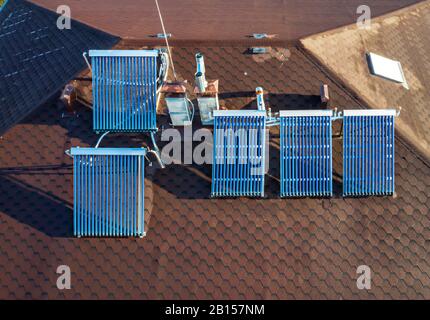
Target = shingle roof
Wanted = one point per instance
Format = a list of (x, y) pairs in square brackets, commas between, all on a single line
[(220, 19), (36, 58), (197, 247), (402, 36)]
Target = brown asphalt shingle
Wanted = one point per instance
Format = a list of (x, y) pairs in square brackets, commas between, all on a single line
[(197, 247), (37, 58), (402, 36), (220, 19)]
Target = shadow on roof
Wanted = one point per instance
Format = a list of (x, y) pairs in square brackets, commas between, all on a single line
[(276, 101), (37, 58), (34, 207)]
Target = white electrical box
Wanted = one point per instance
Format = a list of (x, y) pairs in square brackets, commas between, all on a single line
[(206, 106), (180, 110)]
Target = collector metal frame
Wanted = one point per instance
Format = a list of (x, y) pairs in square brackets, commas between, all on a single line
[(306, 153), (108, 192), (369, 152), (158, 80), (232, 179), (124, 90), (370, 182)]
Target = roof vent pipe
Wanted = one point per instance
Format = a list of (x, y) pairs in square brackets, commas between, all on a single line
[(201, 81), (200, 74), (200, 63), (260, 98)]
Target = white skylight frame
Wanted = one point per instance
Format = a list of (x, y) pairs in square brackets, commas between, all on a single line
[(386, 68)]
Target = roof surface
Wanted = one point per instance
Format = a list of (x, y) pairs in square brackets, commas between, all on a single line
[(220, 19), (197, 247), (402, 36), (37, 58)]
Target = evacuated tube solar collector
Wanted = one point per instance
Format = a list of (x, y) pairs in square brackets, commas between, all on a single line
[(306, 153), (368, 152), (108, 187), (238, 167), (124, 90)]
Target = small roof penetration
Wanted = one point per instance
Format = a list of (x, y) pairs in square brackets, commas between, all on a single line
[(385, 68)]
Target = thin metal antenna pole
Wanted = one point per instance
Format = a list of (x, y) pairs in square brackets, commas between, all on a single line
[(167, 41)]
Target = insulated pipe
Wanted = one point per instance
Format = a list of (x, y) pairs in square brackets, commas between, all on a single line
[(157, 156), (260, 98), (192, 107), (200, 63), (200, 74), (101, 138), (163, 73), (156, 151), (201, 81), (86, 61)]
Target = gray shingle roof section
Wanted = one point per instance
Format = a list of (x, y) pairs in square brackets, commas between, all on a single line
[(37, 59)]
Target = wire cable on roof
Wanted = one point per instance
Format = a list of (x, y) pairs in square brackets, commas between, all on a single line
[(167, 41)]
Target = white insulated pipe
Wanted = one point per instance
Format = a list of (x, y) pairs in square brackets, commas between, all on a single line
[(260, 98), (200, 74), (201, 81), (200, 63)]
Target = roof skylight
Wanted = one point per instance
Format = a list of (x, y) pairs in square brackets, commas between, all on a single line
[(386, 68)]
